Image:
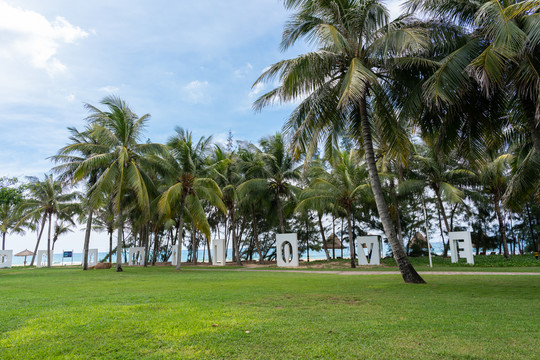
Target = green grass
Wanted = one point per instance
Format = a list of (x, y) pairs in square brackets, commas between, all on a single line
[(158, 313), (490, 263)]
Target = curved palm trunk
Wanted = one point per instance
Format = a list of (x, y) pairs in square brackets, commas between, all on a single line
[(280, 214), (38, 239), (442, 212), (49, 252), (180, 233), (349, 223), (325, 246), (408, 272), (496, 200), (87, 238), (119, 240)]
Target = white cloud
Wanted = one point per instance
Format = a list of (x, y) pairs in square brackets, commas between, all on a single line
[(196, 92), (256, 90), (28, 36), (243, 71), (70, 97), (109, 89)]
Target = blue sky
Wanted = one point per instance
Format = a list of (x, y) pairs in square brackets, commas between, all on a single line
[(187, 63)]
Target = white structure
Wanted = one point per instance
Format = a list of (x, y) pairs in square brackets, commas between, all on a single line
[(219, 252), (136, 256), (92, 257), (6, 258), (287, 250), (461, 246), (174, 254), (371, 253), (42, 258)]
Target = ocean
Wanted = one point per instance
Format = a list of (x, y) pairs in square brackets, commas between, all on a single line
[(59, 260)]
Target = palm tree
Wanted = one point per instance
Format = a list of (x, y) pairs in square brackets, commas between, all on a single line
[(493, 177), (431, 169), (228, 175), (359, 51), (9, 218), (342, 189), (255, 203), (186, 189), (83, 145), (47, 198), (279, 174), (122, 162), (501, 53)]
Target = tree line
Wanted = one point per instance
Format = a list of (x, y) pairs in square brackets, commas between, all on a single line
[(432, 120)]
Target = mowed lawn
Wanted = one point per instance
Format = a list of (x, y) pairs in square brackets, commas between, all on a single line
[(160, 313)]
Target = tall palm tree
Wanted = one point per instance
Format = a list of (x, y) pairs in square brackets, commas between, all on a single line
[(502, 53), (122, 162), (359, 50), (342, 189), (47, 198), (82, 146), (279, 174), (493, 176), (9, 219), (228, 175), (186, 189)]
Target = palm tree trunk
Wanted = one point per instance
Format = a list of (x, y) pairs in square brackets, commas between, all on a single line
[(280, 214), (119, 240), (496, 200), (256, 234), (38, 239), (349, 223), (334, 237), (49, 257), (209, 254), (408, 272), (4, 240), (87, 238), (110, 246), (235, 240), (532, 122), (180, 233), (325, 245), (442, 212)]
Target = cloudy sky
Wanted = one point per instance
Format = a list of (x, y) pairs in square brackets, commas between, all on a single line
[(187, 63)]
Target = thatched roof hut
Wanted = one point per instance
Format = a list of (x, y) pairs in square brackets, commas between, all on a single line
[(333, 242)]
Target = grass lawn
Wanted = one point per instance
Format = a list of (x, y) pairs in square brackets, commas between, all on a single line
[(159, 313)]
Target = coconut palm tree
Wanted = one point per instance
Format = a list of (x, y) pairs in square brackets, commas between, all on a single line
[(46, 199), (186, 189), (71, 157), (502, 53), (123, 161), (341, 189), (358, 51), (493, 176), (9, 218), (228, 175), (279, 174)]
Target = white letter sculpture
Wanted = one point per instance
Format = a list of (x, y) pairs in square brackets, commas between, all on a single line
[(42, 258), (6, 258), (373, 247), (136, 256), (174, 255), (218, 252), (92, 257), (461, 246), (287, 250)]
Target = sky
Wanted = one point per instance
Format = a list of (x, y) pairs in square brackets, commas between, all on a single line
[(186, 63)]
